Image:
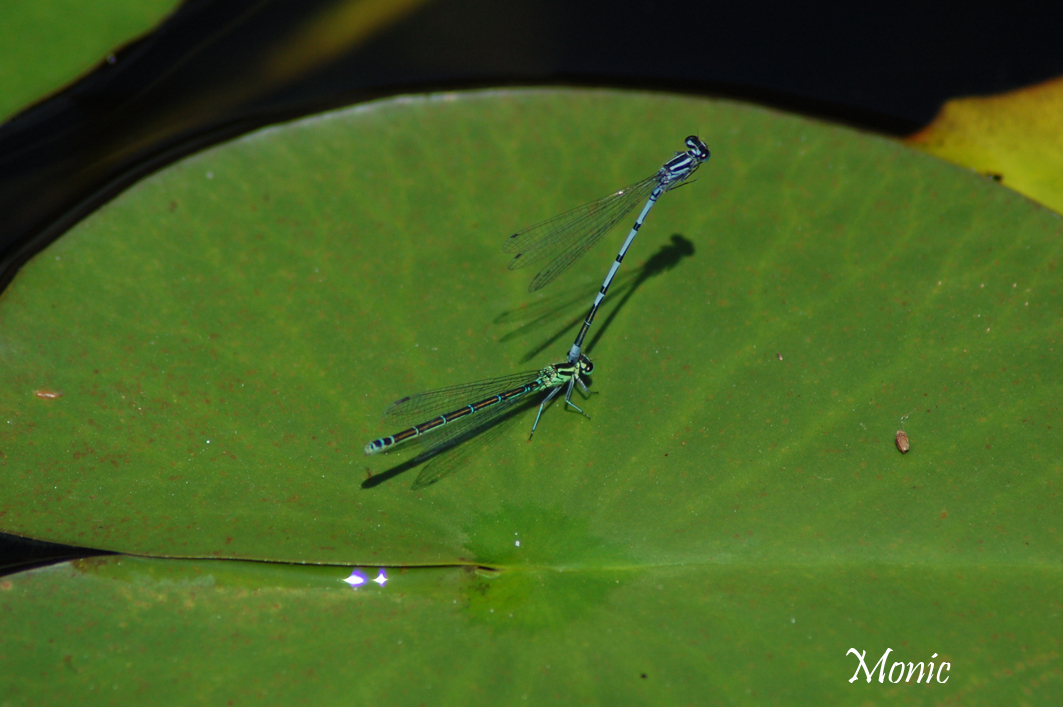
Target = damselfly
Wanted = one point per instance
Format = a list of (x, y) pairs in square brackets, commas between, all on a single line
[(564, 238), (472, 407)]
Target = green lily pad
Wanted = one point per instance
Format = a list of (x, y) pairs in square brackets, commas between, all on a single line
[(226, 334), (194, 371), (48, 44), (116, 630)]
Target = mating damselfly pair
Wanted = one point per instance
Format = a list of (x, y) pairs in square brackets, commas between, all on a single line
[(464, 411)]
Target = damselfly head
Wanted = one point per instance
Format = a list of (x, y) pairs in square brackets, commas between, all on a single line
[(584, 364), (698, 148)]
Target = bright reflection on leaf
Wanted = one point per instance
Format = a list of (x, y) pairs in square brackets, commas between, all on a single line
[(355, 580)]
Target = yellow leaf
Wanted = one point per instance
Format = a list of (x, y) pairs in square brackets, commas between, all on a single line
[(1014, 137)]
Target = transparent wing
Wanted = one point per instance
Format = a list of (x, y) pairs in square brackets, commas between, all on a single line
[(558, 308), (447, 448), (560, 264), (469, 426), (449, 453), (564, 238), (415, 409), (550, 307), (530, 243)]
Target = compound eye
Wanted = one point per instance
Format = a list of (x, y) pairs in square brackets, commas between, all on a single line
[(695, 143)]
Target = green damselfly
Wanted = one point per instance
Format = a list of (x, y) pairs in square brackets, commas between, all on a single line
[(456, 414)]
